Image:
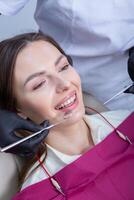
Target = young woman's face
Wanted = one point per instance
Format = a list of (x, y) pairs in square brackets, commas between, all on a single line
[(46, 86)]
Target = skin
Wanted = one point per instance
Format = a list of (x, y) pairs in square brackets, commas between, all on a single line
[(37, 96)]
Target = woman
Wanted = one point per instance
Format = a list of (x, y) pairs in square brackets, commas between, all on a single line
[(84, 157)]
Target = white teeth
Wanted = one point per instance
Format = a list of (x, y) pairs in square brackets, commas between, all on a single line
[(67, 102)]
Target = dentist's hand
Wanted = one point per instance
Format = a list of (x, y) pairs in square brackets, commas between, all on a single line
[(131, 64), (11, 122), (131, 70)]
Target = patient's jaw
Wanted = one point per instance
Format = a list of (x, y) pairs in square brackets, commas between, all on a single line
[(46, 86)]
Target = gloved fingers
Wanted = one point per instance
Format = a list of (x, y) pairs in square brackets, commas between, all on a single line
[(131, 51), (131, 63), (43, 134), (45, 124), (30, 145), (36, 139), (10, 123), (28, 125), (10, 138), (39, 138), (22, 152), (131, 68), (28, 148)]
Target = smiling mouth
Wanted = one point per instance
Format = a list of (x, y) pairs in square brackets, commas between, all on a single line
[(69, 102)]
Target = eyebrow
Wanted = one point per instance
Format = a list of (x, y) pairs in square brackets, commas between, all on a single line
[(42, 72), (59, 59)]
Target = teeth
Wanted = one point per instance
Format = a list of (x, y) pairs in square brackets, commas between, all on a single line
[(67, 102)]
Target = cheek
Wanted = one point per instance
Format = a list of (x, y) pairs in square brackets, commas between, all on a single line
[(77, 81), (36, 109), (74, 77)]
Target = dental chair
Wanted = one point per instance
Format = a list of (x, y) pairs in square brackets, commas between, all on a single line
[(10, 165)]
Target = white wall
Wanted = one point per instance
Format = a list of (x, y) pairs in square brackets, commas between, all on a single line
[(19, 23)]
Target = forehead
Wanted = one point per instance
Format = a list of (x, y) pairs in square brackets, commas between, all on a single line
[(36, 52), (38, 55)]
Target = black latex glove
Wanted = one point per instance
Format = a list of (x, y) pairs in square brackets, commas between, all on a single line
[(131, 64), (131, 70), (11, 122)]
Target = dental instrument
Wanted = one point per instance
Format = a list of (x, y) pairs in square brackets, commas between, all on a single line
[(29, 137), (119, 93)]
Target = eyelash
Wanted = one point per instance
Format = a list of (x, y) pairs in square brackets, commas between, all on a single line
[(39, 85), (64, 68), (43, 82)]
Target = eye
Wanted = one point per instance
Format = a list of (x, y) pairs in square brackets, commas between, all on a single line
[(65, 67), (39, 85)]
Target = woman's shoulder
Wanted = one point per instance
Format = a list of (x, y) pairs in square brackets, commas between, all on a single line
[(100, 128), (116, 116)]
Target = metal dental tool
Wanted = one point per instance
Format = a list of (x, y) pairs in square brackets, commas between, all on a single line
[(119, 93), (130, 88), (29, 137)]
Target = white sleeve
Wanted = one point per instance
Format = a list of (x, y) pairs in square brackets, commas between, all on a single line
[(11, 7)]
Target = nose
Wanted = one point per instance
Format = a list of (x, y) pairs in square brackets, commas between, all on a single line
[(61, 84)]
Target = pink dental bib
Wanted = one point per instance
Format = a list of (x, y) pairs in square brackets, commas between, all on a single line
[(106, 172)]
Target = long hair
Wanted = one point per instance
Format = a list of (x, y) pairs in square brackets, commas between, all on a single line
[(9, 50)]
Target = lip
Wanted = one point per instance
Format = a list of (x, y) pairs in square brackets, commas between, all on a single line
[(71, 106), (66, 98)]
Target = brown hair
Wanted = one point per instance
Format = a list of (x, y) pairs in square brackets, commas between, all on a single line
[(9, 50)]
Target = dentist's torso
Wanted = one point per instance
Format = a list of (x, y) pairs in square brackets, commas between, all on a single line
[(97, 36)]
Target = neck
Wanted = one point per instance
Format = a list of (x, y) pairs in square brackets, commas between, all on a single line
[(72, 140)]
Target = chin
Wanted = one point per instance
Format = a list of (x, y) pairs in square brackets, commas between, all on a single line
[(74, 117), (72, 114)]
